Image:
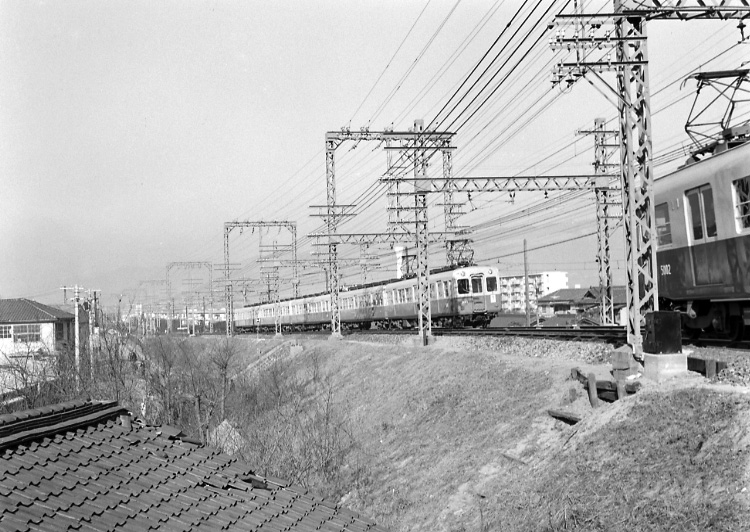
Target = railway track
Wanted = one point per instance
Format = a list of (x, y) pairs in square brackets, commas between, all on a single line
[(740, 345), (611, 334)]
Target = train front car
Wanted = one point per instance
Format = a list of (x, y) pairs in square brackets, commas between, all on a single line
[(703, 250), (467, 296)]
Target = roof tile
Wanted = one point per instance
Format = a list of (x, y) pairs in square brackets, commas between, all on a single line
[(100, 476), (28, 311)]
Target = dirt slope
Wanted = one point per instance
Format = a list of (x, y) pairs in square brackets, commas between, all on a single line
[(456, 436)]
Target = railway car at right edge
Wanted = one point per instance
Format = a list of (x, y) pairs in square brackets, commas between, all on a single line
[(703, 240)]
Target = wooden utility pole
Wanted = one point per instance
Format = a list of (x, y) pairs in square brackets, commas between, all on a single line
[(526, 285)]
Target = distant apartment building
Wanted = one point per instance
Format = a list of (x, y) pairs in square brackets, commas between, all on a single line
[(539, 284)]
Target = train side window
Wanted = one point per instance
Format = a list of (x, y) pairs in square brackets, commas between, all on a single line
[(492, 284), (702, 215), (463, 286), (663, 227), (742, 202), (708, 210)]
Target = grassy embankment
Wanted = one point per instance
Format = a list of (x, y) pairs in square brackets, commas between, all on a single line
[(459, 439)]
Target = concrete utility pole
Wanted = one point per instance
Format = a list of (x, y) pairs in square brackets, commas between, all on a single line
[(526, 284), (92, 321), (76, 300)]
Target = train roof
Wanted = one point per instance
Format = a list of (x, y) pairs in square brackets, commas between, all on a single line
[(376, 283), (730, 149)]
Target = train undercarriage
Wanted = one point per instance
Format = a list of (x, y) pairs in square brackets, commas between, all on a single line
[(728, 320), (477, 320)]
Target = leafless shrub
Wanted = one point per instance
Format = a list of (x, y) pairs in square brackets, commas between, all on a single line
[(293, 428)]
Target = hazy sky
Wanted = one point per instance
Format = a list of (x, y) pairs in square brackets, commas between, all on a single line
[(131, 131)]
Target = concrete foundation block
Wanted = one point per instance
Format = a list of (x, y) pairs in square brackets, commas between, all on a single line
[(664, 366), (415, 341), (622, 358), (624, 364)]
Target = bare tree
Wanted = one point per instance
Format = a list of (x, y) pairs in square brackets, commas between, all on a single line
[(224, 357)]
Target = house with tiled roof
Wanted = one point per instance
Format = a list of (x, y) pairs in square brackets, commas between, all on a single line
[(574, 304), (564, 301), (28, 327), (88, 466)]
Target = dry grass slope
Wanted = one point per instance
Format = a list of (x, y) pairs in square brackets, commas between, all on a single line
[(673, 461), (456, 437)]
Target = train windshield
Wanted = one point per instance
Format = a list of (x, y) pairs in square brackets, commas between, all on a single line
[(476, 284), (463, 286), (492, 284)]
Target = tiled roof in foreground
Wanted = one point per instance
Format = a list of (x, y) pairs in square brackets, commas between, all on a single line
[(83, 466)]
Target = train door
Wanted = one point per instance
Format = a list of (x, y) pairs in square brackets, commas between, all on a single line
[(702, 231), (477, 294)]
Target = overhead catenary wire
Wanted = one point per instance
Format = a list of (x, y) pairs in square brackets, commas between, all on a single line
[(372, 190)]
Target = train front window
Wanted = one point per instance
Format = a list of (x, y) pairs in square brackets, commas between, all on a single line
[(463, 286), (663, 227), (492, 284), (702, 215), (742, 202), (476, 284)]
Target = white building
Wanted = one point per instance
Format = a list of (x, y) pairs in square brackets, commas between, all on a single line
[(540, 284), (28, 327)]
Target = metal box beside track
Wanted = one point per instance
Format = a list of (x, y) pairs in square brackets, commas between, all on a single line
[(663, 333)]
